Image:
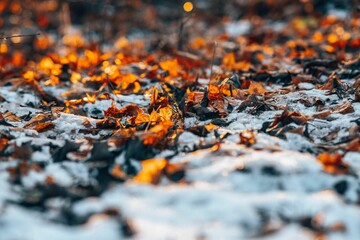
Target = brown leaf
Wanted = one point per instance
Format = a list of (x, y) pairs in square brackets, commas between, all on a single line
[(321, 115), (189, 60), (3, 121), (35, 120), (11, 117), (43, 127), (343, 108), (334, 83), (288, 117), (130, 110), (354, 145), (108, 123)]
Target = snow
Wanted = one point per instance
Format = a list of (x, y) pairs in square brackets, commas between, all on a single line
[(225, 190), (241, 27)]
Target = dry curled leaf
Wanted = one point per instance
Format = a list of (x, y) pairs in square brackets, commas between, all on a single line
[(130, 110), (35, 120), (343, 108)]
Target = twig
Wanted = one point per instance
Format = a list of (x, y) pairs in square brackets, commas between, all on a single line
[(181, 28), (212, 61), (19, 35)]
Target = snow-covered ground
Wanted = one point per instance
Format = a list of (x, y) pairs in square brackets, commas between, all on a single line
[(273, 189)]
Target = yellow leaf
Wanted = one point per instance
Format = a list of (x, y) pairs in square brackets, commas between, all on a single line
[(210, 127), (142, 118), (154, 116), (165, 113), (29, 75), (172, 66), (162, 128), (137, 87)]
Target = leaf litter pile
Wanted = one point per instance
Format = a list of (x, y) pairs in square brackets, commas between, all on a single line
[(174, 120)]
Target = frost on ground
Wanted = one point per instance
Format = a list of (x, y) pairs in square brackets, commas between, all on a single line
[(141, 137)]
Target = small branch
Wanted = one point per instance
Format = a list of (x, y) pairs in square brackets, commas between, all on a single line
[(212, 62), (180, 35), (18, 35)]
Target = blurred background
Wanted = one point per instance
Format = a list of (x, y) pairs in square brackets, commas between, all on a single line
[(159, 23), (107, 18)]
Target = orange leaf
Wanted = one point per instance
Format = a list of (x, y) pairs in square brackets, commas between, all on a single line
[(210, 127), (195, 97), (151, 171), (172, 66), (157, 133), (43, 127), (165, 113), (142, 118), (256, 88), (242, 66), (9, 116), (162, 128), (108, 123), (197, 43), (332, 163), (214, 92), (3, 143), (117, 172), (229, 60), (154, 96), (36, 120)]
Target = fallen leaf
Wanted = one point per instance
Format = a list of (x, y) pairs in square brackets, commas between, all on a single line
[(333, 163), (43, 127), (151, 171), (256, 88)]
